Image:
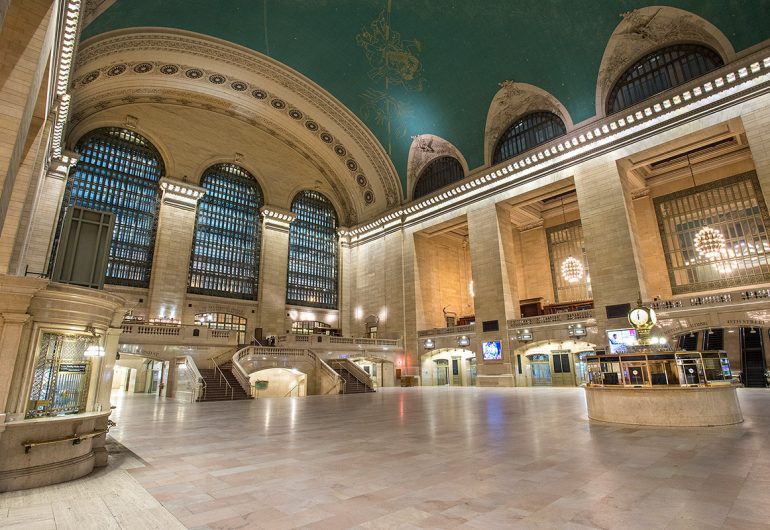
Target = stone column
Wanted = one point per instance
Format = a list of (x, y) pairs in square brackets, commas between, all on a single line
[(45, 215), (171, 378), (345, 287), (11, 334), (25, 44), (756, 123), (274, 269), (496, 298), (110, 341), (173, 243), (611, 248)]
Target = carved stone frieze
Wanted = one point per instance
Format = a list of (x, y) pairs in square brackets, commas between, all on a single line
[(513, 101), (250, 64), (426, 148), (644, 30)]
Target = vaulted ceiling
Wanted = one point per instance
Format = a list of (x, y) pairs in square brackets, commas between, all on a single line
[(409, 67)]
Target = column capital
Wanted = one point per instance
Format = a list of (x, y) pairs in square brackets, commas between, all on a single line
[(345, 237), (277, 218), (180, 193), (59, 166), (14, 318)]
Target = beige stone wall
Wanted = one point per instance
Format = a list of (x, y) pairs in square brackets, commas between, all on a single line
[(533, 264), (25, 44)]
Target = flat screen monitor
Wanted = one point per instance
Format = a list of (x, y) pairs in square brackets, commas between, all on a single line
[(620, 338), (492, 351)]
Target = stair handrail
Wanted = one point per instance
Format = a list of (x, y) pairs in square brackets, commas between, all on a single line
[(356, 371), (241, 376), (216, 358), (287, 394), (195, 377), (340, 381), (222, 377)]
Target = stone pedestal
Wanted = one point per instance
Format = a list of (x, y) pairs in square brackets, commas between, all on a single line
[(665, 406)]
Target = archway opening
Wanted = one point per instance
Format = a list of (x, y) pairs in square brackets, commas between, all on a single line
[(449, 367), (279, 382)]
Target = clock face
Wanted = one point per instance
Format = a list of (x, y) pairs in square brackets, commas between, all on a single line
[(639, 317)]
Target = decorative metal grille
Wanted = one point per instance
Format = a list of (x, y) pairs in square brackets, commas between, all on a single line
[(528, 132), (660, 70), (226, 247), (735, 207), (439, 173), (224, 321), (61, 377), (312, 278), (118, 171), (566, 240)]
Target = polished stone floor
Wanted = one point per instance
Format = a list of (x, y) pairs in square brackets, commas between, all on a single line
[(427, 458)]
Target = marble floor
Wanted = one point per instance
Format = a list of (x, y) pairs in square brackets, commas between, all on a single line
[(411, 458)]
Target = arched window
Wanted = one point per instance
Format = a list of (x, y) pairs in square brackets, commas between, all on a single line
[(225, 253), (660, 70), (439, 173), (530, 131), (118, 171), (312, 278)]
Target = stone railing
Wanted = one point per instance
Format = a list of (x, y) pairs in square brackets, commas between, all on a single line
[(177, 333), (715, 299), (556, 318), (454, 330), (324, 370), (328, 340)]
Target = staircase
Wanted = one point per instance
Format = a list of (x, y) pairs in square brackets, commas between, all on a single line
[(356, 380), (216, 389)]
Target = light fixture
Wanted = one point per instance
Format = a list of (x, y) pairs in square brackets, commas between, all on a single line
[(95, 348), (572, 269), (429, 344), (709, 242), (463, 341)]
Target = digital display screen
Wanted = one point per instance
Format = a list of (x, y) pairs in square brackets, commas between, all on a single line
[(492, 351), (620, 338)]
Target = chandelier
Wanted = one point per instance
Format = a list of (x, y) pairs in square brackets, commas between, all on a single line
[(709, 242), (572, 270)]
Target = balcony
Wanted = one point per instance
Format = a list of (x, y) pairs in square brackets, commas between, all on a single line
[(556, 319), (338, 344), (178, 335)]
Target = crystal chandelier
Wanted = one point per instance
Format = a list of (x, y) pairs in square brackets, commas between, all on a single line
[(572, 270), (709, 242)]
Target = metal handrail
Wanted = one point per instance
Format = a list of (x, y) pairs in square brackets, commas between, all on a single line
[(287, 394), (354, 370), (340, 381), (289, 352), (195, 377), (223, 378)]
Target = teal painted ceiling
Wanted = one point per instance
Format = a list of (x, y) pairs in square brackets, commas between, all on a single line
[(446, 59)]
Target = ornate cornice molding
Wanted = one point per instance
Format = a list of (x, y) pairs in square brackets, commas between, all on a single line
[(100, 56)]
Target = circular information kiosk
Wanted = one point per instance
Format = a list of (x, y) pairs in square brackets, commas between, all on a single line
[(650, 384)]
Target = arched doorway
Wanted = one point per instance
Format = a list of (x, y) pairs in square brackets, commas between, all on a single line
[(382, 371), (553, 362), (449, 367), (279, 382)]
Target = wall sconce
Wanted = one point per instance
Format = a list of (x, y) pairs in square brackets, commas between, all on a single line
[(523, 335), (429, 344), (463, 341), (576, 330), (95, 348)]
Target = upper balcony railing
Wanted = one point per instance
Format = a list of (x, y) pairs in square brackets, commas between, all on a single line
[(326, 341), (168, 333), (453, 330), (555, 318), (736, 297)]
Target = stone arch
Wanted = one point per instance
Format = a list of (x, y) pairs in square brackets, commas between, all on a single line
[(425, 149), (163, 66), (513, 101), (644, 30)]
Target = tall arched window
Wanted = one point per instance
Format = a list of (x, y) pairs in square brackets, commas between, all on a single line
[(528, 132), (439, 173), (312, 278), (118, 171), (225, 251), (660, 70)]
